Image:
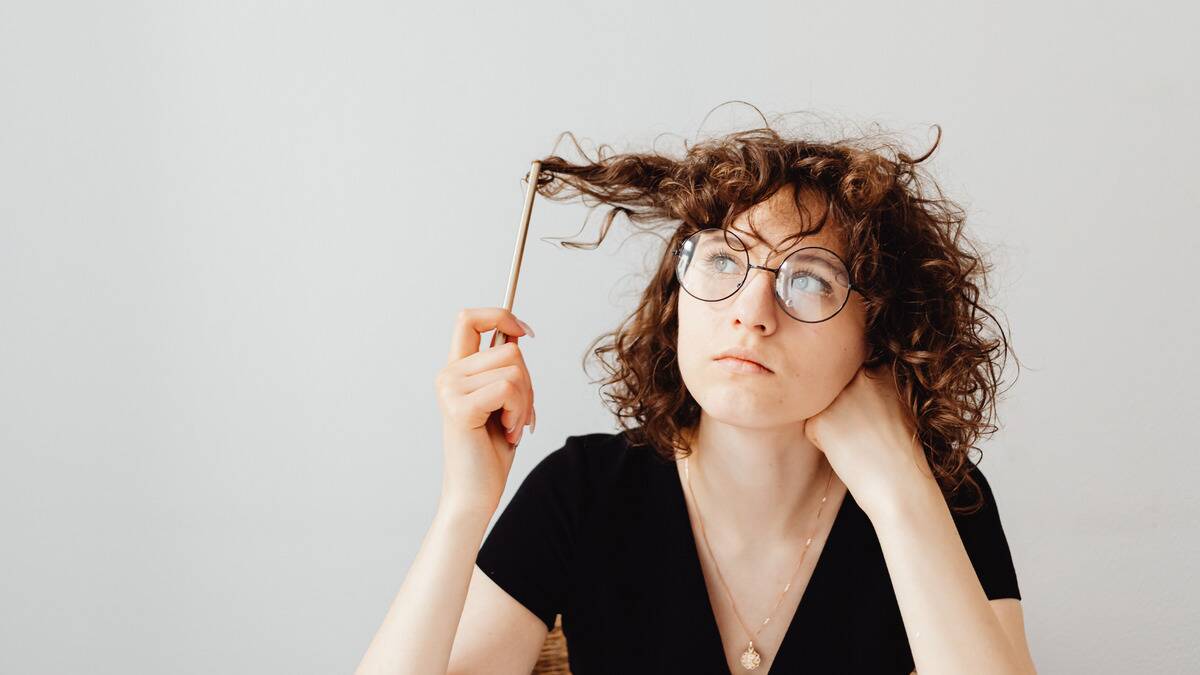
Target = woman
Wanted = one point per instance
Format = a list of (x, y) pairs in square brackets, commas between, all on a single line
[(805, 374)]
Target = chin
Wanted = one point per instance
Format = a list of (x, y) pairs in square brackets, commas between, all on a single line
[(734, 404), (743, 402)]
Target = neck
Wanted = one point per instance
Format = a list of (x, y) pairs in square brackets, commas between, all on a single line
[(755, 484)]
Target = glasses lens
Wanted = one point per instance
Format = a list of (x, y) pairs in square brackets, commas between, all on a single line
[(712, 264), (812, 283)]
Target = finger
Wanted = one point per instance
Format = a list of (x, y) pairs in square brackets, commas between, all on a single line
[(516, 371), (502, 355), (532, 411), (473, 321), (499, 395), (480, 380), (496, 358)]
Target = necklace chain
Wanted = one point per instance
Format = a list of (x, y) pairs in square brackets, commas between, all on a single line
[(750, 658)]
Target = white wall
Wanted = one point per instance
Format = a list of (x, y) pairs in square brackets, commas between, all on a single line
[(234, 236)]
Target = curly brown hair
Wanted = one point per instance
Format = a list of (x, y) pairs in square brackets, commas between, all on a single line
[(919, 275)]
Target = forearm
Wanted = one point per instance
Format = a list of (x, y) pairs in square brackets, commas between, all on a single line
[(948, 618), (418, 631)]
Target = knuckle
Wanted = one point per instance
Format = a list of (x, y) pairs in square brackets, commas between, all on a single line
[(521, 377), (444, 378)]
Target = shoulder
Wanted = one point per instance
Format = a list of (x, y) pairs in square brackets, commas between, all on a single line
[(595, 456), (983, 535), (556, 495), (974, 495), (591, 466)]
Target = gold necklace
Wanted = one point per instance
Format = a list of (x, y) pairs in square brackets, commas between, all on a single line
[(750, 658)]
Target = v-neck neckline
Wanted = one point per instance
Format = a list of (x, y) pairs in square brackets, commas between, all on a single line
[(697, 584)]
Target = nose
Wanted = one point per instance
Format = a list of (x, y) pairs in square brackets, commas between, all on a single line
[(754, 304)]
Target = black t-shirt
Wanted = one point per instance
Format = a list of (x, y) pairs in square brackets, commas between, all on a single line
[(599, 532)]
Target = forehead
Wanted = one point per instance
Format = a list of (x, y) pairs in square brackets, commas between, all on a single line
[(773, 225)]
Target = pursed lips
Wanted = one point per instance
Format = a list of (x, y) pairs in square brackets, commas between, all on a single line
[(748, 362)]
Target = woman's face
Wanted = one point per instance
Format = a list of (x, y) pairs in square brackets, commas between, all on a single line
[(810, 363)]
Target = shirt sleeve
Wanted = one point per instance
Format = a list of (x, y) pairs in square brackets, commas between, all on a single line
[(983, 538), (529, 549)]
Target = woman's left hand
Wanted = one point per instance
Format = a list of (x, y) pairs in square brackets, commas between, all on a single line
[(869, 441)]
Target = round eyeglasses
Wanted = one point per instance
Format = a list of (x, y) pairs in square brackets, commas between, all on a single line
[(811, 284)]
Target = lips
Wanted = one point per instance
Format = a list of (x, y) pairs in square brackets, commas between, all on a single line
[(743, 355), (737, 365)]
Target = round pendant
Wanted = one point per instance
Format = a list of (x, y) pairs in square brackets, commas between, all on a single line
[(750, 658)]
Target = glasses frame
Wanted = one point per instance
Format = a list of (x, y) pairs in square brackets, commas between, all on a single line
[(850, 287)]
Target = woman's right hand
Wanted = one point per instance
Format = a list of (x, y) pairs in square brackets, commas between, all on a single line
[(473, 384)]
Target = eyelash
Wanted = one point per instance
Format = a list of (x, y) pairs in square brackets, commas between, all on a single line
[(825, 287)]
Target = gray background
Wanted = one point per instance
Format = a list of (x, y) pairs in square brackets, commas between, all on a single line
[(234, 237)]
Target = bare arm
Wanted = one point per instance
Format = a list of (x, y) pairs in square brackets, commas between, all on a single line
[(952, 626), (424, 626), (419, 629)]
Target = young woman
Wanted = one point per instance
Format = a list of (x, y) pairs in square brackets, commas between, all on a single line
[(791, 491)]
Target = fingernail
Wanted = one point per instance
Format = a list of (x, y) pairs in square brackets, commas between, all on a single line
[(526, 327)]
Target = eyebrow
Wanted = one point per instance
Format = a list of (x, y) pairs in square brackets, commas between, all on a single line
[(748, 235), (734, 229), (776, 251)]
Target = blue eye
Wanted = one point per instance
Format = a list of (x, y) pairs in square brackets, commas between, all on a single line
[(810, 283), (722, 263)]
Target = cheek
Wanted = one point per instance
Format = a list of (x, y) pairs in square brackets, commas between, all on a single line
[(837, 355), (821, 357), (694, 332), (693, 318), (686, 321), (853, 345)]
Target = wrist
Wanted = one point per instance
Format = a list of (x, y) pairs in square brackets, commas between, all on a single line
[(460, 514), (907, 501)]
